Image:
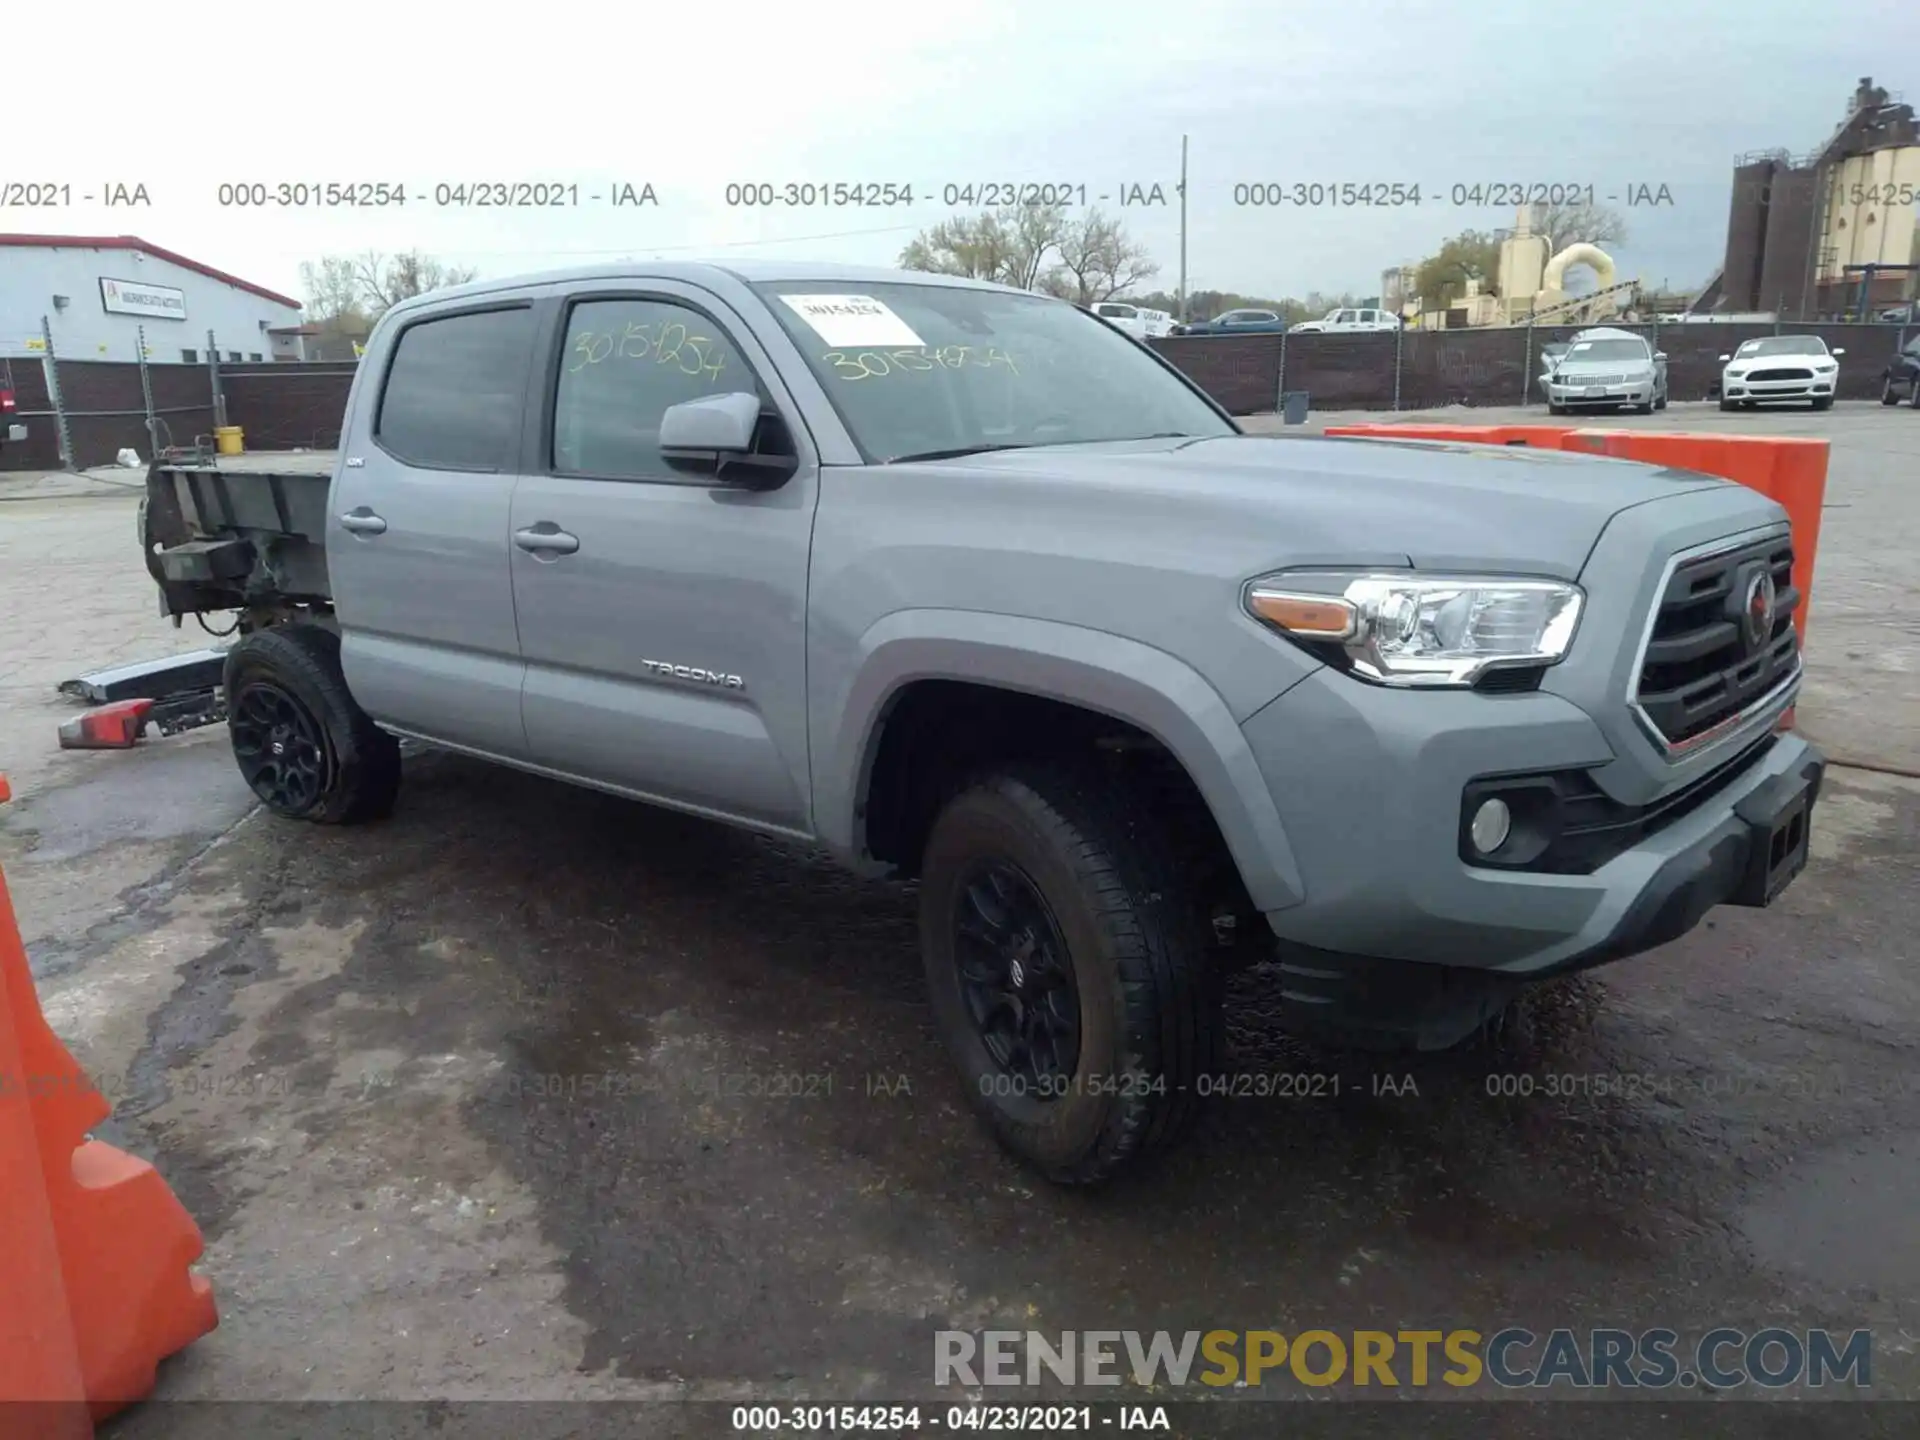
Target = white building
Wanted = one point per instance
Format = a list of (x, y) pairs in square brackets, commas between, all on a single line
[(97, 293)]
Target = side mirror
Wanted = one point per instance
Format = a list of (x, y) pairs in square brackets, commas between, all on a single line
[(1726, 357), (1837, 352), (1660, 355), (714, 435)]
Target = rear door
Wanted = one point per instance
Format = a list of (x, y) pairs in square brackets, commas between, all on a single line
[(662, 614), (417, 529)]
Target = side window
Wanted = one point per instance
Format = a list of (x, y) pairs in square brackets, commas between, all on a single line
[(625, 363), (1345, 317), (454, 390)]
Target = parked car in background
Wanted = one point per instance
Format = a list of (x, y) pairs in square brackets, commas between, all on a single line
[(1608, 369), (1238, 322), (1550, 356), (1901, 379), (11, 431), (1349, 321), (1780, 367), (1122, 316)]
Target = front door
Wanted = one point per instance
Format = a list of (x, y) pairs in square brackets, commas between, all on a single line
[(662, 614), (417, 529)]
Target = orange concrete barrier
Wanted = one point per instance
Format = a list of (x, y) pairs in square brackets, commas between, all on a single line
[(95, 1285), (1540, 437)]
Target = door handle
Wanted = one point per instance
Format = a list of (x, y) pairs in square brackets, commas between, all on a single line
[(546, 537), (363, 522)]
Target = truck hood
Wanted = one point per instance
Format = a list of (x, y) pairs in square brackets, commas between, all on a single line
[(1432, 505)]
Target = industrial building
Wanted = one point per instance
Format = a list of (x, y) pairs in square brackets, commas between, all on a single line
[(96, 294), (1831, 233)]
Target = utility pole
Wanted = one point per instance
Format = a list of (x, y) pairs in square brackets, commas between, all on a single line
[(1182, 299)]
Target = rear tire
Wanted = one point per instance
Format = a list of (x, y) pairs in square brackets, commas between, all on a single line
[(303, 744), (1092, 909)]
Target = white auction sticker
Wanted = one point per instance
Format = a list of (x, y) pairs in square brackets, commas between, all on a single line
[(850, 320)]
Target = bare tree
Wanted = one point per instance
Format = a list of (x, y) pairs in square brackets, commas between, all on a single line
[(1012, 246), (1565, 225), (333, 289), (1098, 260), (387, 280)]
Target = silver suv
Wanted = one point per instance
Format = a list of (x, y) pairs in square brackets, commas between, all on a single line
[(1607, 369)]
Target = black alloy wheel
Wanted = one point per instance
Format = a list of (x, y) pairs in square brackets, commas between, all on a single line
[(1016, 977), (281, 749)]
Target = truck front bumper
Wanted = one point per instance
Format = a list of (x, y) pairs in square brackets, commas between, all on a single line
[(1395, 915)]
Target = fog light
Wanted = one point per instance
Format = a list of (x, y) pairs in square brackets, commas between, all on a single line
[(1491, 822)]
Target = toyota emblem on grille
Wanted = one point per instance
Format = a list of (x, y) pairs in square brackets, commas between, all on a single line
[(1757, 611)]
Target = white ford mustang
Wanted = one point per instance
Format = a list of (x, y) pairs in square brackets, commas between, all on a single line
[(1780, 367)]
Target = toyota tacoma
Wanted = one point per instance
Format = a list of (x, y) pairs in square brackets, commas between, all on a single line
[(964, 586)]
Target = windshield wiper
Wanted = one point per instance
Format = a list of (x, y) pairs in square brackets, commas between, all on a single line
[(955, 453)]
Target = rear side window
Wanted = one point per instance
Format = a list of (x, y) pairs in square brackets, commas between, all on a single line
[(454, 390)]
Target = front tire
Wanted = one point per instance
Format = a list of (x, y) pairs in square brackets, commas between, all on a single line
[(303, 744), (1823, 402), (1888, 395), (1067, 969), (1729, 405)]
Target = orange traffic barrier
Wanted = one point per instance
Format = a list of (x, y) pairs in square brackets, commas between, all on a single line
[(1540, 437), (95, 1284)]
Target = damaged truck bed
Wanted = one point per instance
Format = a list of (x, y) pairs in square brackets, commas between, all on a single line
[(242, 532)]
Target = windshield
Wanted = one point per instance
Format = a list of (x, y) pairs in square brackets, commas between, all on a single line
[(1782, 345), (1608, 350), (922, 370)]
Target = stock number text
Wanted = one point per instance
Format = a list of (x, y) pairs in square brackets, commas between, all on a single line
[(312, 195)]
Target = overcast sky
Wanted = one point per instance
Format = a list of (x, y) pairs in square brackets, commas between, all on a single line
[(690, 97)]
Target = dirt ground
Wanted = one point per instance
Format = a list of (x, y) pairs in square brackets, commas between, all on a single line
[(534, 1093)]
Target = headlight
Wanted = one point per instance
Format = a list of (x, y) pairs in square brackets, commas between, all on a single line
[(1408, 630)]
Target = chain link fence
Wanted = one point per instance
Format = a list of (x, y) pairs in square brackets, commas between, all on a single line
[(81, 413), (1433, 369)]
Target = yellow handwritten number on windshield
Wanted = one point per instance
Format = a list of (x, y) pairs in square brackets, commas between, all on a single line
[(673, 345), (872, 364)]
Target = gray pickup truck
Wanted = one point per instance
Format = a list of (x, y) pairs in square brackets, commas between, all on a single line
[(963, 585)]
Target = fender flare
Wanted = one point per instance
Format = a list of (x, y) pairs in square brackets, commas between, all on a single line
[(1143, 686)]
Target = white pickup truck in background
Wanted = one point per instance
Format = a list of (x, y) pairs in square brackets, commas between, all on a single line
[(1349, 321), (1130, 318)]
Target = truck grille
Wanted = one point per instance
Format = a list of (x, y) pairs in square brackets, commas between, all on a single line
[(1702, 668), (1781, 374)]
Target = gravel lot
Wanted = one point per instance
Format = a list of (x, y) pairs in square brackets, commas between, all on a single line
[(336, 1046)]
